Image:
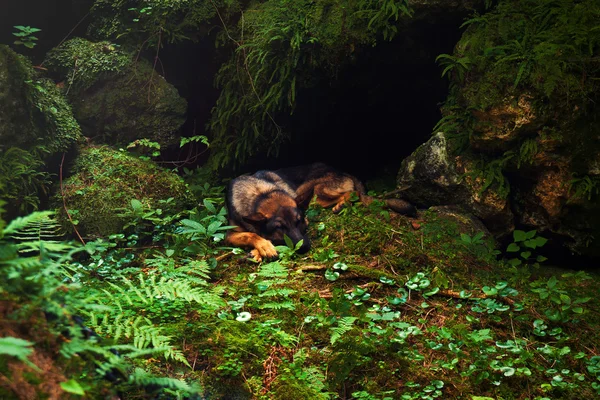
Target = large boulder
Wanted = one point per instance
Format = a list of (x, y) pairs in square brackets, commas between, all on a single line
[(16, 123), (431, 176), (103, 183), (36, 123), (528, 115), (551, 200), (116, 97), (34, 115)]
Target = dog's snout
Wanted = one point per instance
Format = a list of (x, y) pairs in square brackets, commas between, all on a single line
[(305, 245)]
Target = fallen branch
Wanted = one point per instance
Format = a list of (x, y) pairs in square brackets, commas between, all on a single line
[(456, 295)]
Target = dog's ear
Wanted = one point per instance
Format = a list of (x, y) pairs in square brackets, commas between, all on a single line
[(255, 218), (304, 196)]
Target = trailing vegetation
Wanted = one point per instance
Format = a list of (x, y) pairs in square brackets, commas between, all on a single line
[(278, 46)]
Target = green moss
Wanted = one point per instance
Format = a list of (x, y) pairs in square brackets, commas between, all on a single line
[(37, 122), (55, 116), (34, 113), (531, 47), (105, 180), (116, 99), (16, 115), (82, 63)]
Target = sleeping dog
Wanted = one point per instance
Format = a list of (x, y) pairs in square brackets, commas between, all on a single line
[(269, 205)]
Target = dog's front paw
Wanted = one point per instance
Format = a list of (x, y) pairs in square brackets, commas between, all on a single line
[(263, 249)]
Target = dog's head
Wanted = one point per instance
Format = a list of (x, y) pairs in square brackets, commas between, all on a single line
[(280, 217)]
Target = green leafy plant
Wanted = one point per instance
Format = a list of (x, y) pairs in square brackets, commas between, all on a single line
[(277, 43), (203, 228), (524, 244), (478, 246), (453, 64), (22, 178), (38, 274), (19, 348), (25, 36), (584, 187), (563, 307)]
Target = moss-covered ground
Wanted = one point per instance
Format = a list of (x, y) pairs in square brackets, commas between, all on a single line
[(382, 307)]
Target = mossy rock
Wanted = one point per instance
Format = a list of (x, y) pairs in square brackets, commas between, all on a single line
[(523, 105), (105, 180), (116, 98), (81, 63), (16, 123), (432, 176), (33, 112)]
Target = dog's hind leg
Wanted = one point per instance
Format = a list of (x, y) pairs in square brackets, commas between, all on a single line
[(335, 196), (263, 248)]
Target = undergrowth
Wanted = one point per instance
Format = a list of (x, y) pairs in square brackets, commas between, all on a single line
[(380, 308)]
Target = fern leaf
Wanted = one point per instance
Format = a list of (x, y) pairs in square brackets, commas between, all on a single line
[(21, 223), (345, 324)]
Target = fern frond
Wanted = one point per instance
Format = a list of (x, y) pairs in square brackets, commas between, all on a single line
[(282, 305), (273, 270), (142, 378), (143, 334), (285, 292), (21, 224), (345, 324)]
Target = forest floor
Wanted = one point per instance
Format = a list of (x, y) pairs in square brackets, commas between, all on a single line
[(382, 307)]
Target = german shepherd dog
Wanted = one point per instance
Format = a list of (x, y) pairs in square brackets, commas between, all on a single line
[(268, 205)]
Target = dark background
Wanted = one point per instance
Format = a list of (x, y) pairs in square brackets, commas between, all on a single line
[(377, 111)]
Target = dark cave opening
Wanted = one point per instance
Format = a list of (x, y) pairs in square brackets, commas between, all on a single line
[(376, 112)]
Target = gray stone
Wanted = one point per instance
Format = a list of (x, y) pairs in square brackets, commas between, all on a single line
[(431, 177)]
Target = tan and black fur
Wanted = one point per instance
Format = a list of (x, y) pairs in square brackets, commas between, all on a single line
[(268, 205)]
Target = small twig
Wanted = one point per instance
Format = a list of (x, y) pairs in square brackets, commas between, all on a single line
[(456, 295), (66, 37), (72, 77), (142, 247), (393, 192), (223, 256), (158, 44), (62, 193), (426, 315), (311, 268)]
